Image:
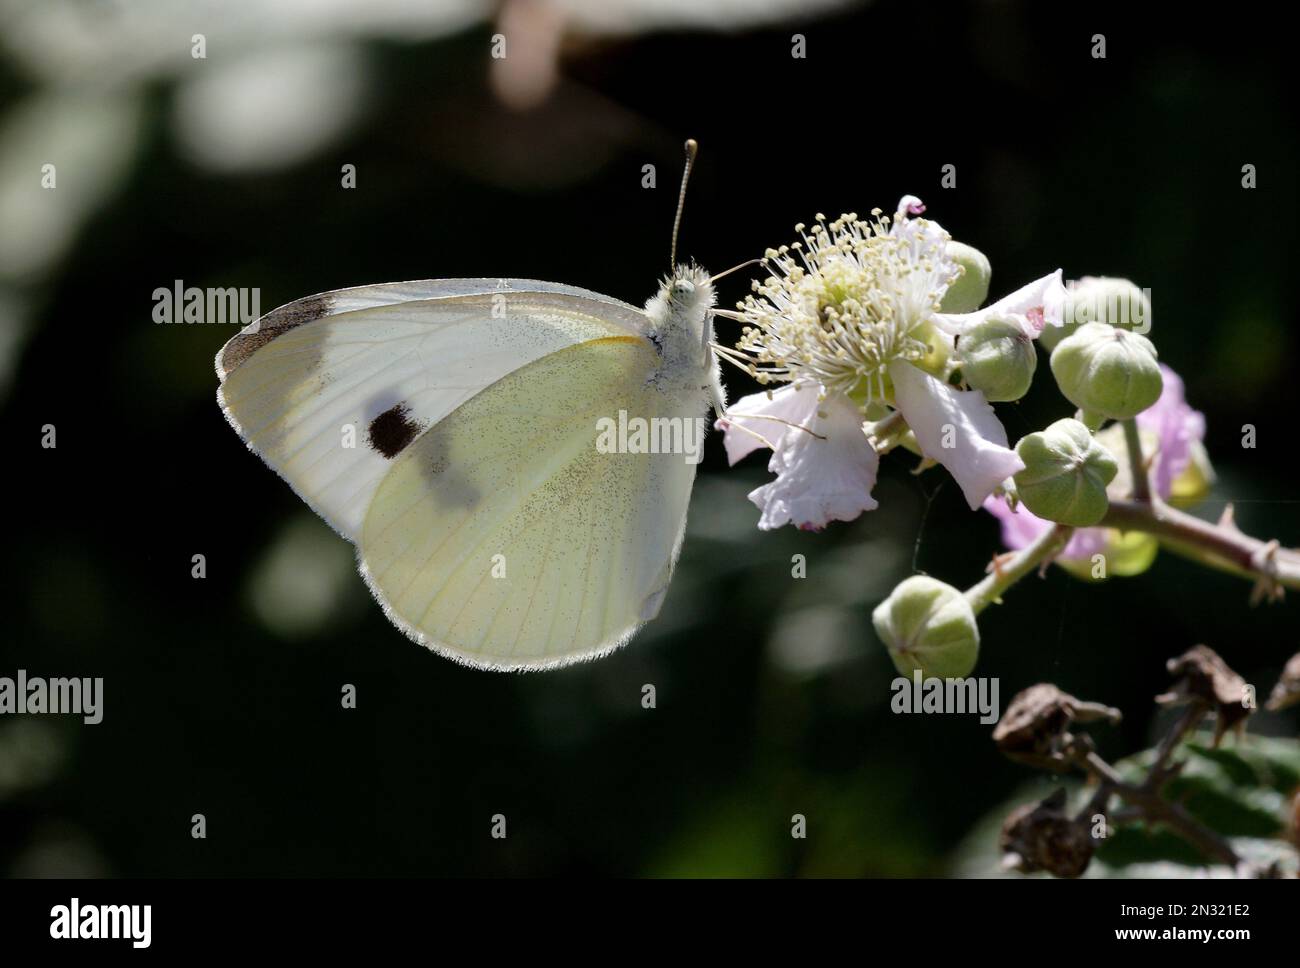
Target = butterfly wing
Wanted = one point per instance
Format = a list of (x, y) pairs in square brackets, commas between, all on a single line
[(329, 389), (505, 537), (450, 426)]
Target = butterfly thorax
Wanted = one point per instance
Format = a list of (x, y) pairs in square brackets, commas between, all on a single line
[(681, 326)]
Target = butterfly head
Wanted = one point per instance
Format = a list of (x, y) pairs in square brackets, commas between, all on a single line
[(679, 312), (689, 291)]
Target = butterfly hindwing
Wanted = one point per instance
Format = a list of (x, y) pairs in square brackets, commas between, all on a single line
[(505, 537)]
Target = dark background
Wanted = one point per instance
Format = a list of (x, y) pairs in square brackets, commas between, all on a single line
[(222, 694)]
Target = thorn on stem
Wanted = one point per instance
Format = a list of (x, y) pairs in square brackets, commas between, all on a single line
[(995, 565), (1267, 588), (1228, 519)]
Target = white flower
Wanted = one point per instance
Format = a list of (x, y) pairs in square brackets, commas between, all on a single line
[(823, 474), (850, 319), (846, 301)]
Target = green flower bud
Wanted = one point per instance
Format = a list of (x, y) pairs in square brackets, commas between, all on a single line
[(1066, 473), (1107, 371), (1101, 299), (930, 626), (998, 358), (970, 290)]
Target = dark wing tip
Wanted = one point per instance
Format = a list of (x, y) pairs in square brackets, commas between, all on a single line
[(273, 324)]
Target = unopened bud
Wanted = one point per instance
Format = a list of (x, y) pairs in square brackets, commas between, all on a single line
[(1107, 371), (1065, 475), (928, 625), (971, 288), (998, 357), (1101, 299)]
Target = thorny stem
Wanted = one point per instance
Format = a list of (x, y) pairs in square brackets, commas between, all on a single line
[(1006, 572), (1174, 815), (1145, 800), (1159, 766), (1219, 546)]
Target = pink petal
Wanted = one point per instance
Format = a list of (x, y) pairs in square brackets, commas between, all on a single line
[(1176, 426), (1022, 527)]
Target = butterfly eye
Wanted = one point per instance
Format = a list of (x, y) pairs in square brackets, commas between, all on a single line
[(682, 288)]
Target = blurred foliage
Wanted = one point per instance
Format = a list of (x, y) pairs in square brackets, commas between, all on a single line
[(222, 695)]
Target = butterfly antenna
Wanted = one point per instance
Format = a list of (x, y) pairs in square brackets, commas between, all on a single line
[(743, 265), (691, 148)]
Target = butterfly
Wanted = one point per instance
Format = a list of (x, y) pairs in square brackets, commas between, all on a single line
[(490, 522)]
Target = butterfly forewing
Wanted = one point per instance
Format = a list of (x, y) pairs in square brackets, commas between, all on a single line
[(330, 389)]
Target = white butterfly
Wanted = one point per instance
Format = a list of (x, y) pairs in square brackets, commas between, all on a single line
[(488, 523)]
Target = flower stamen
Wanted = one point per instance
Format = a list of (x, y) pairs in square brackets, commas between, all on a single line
[(845, 301)]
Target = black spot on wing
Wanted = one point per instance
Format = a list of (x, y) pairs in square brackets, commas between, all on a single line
[(271, 325), (392, 430)]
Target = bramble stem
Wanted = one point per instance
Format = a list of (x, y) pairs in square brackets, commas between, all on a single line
[(1219, 546), (1145, 798), (1137, 465), (1017, 566)]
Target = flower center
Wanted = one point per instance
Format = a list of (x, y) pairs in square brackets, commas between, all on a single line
[(844, 302)]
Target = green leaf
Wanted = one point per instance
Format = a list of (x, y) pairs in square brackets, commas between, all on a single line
[(1239, 790)]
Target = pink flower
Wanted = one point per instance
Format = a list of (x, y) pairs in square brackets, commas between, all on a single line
[(1177, 428)]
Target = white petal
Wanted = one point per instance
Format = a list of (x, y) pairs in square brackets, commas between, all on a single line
[(957, 428), (1041, 302), (820, 479), (794, 406)]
